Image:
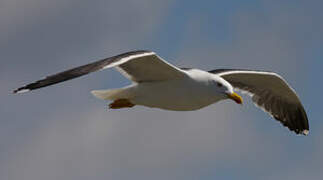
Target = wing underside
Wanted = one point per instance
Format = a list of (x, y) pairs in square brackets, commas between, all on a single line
[(272, 94)]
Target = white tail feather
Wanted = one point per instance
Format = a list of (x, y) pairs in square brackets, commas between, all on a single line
[(110, 94)]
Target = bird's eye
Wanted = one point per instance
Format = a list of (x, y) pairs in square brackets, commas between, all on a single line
[(219, 84)]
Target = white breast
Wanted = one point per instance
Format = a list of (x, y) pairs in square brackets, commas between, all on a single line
[(180, 95)]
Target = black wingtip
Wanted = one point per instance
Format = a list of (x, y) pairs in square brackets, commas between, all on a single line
[(20, 90), (303, 132), (15, 91)]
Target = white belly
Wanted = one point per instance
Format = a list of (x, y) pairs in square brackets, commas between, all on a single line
[(178, 95)]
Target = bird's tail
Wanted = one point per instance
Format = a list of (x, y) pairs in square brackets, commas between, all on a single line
[(110, 94)]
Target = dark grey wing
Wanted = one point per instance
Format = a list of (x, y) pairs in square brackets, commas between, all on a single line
[(271, 93), (137, 65)]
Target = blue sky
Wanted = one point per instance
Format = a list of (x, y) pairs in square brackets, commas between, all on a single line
[(62, 132)]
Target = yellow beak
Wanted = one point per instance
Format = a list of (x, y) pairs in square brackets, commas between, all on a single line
[(234, 96)]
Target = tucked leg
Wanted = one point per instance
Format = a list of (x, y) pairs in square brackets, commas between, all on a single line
[(121, 103)]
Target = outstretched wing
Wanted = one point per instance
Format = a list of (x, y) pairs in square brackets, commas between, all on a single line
[(138, 66), (271, 93)]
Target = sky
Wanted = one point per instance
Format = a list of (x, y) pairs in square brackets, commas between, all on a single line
[(63, 132)]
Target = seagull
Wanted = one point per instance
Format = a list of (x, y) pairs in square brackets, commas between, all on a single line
[(159, 84)]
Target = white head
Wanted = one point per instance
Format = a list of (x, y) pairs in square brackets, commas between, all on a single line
[(225, 89)]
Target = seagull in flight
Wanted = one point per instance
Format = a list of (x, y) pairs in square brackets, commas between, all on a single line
[(159, 84)]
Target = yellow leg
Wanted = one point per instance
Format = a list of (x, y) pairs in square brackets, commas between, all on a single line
[(121, 103)]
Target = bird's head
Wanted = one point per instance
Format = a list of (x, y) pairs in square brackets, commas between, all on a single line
[(224, 88)]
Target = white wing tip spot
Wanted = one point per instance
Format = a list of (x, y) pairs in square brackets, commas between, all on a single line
[(21, 91), (305, 132)]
